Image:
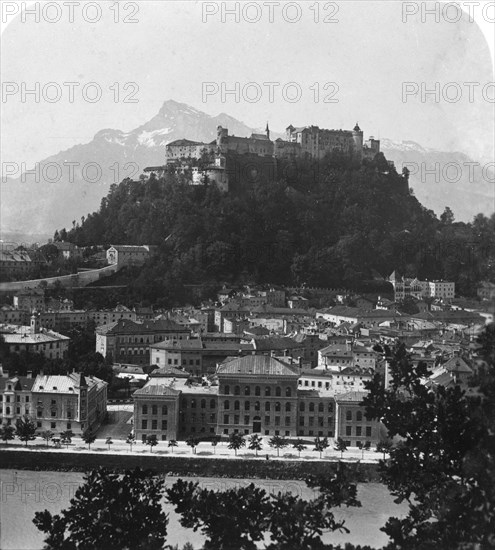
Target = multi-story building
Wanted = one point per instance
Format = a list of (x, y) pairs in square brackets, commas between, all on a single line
[(486, 290), (106, 316), (72, 402), (15, 398), (196, 356), (129, 254), (413, 287), (351, 423), (129, 342), (250, 394), (35, 339), (55, 402), (30, 300), (440, 289)]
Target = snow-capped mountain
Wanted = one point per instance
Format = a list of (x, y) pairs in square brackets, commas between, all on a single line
[(53, 199)]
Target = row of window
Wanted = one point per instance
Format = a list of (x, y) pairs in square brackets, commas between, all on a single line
[(154, 409), (257, 391), (235, 419), (154, 424), (257, 406), (202, 403), (18, 410), (358, 432), (17, 398)]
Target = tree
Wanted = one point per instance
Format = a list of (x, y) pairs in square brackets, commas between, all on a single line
[(193, 443), (88, 437), (384, 447), (215, 440), (255, 443), (109, 511), (152, 441), (172, 443), (447, 216), (235, 518), (340, 446), (320, 444), (109, 442), (131, 440), (242, 517), (364, 447), (236, 442), (446, 455), (47, 435), (26, 429), (66, 438), (7, 432), (278, 442), (299, 446)]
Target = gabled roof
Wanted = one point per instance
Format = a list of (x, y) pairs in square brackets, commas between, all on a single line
[(257, 365), (456, 365)]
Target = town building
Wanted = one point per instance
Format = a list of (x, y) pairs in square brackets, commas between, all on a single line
[(32, 299), (129, 342), (15, 397), (197, 356), (250, 394), (129, 254), (69, 402), (35, 339)]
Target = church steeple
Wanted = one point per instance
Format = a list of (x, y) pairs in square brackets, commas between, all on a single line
[(267, 130)]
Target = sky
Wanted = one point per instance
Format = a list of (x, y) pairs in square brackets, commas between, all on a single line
[(331, 64)]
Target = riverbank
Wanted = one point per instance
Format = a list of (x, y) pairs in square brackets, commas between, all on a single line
[(240, 468)]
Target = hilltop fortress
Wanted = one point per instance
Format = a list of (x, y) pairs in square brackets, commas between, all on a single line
[(225, 160)]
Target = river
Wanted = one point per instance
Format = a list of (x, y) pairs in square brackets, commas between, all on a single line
[(25, 492)]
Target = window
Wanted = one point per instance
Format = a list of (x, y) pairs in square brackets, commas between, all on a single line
[(38, 424), (247, 390), (54, 402), (257, 391), (203, 403), (320, 407), (268, 391), (358, 430), (154, 424), (277, 406), (359, 416), (246, 420), (193, 403), (330, 407), (237, 405), (69, 425), (287, 420), (311, 407), (237, 390), (226, 419), (267, 406), (301, 421), (277, 421), (144, 424), (368, 431), (247, 405), (53, 425), (213, 403), (18, 398), (348, 415), (287, 407), (288, 392), (278, 391), (227, 390), (302, 406), (154, 409), (320, 421), (145, 409), (348, 430), (226, 404), (54, 414), (164, 409), (39, 412)]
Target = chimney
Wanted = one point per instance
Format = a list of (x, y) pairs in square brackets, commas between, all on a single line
[(29, 373)]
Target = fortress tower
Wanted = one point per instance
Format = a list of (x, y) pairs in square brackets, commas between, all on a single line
[(222, 134), (357, 136)]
